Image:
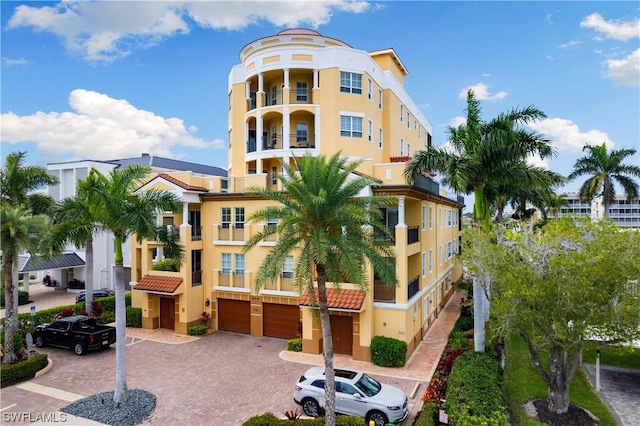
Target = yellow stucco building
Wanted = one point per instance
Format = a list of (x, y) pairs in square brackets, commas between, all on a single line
[(294, 93)]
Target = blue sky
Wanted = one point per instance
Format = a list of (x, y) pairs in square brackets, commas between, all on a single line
[(105, 80)]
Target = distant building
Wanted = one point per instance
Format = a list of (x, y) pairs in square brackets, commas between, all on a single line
[(623, 212)]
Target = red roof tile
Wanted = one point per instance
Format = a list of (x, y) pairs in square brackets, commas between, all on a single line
[(158, 283), (337, 299), (181, 184)]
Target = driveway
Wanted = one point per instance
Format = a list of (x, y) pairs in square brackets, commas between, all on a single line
[(223, 377)]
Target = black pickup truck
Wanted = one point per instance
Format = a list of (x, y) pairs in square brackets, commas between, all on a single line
[(79, 332)]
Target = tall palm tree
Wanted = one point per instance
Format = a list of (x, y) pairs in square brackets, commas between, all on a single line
[(334, 232), (118, 208), (21, 231), (74, 223), (483, 153), (18, 183), (605, 169)]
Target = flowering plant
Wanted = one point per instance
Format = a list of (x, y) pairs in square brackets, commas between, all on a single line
[(205, 317)]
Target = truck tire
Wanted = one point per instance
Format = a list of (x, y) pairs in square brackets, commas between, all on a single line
[(39, 341), (78, 348)]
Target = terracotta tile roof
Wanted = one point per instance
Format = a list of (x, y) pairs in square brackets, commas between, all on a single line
[(338, 299), (158, 283), (181, 184)]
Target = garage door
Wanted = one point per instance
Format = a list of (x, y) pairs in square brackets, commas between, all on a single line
[(280, 320), (234, 315)]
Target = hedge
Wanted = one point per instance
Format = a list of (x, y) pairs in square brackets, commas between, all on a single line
[(269, 419), (23, 298), (294, 345), (474, 391), (134, 317), (429, 416), (23, 370), (388, 352)]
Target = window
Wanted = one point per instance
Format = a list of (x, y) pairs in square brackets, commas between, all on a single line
[(239, 223), (449, 250), (380, 138), (401, 113), (226, 263), (380, 98), (350, 82), (401, 147), (195, 222), (424, 217), (440, 255), (424, 264), (302, 91), (430, 217), (226, 217), (274, 175), (448, 218), (409, 149), (350, 126), (369, 89), (302, 133), (274, 95), (239, 264), (287, 268), (196, 267), (370, 133), (428, 139), (408, 125), (430, 260), (272, 223), (440, 217)]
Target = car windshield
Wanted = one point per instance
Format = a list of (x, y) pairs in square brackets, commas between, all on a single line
[(368, 385)]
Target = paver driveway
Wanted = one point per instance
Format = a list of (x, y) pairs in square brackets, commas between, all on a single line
[(223, 378)]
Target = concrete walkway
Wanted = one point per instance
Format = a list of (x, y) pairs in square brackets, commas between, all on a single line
[(43, 297), (619, 390)]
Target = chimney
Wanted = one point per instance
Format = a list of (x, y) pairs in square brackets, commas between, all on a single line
[(145, 154)]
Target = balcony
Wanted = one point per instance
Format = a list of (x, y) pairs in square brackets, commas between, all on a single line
[(383, 293), (196, 277), (224, 278), (413, 234), (413, 287), (238, 279), (196, 233), (299, 141)]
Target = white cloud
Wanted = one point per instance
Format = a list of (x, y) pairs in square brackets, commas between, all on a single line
[(101, 128), (106, 31), (16, 61), (457, 121), (614, 29), (625, 71), (565, 135), (570, 43), (481, 91)]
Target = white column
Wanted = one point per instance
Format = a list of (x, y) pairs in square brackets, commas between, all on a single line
[(185, 214), (259, 124), (316, 78), (260, 83), (247, 90), (286, 78), (401, 223)]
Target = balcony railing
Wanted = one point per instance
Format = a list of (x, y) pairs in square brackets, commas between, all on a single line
[(300, 97), (298, 141), (196, 233), (238, 279), (413, 287), (196, 277), (383, 293), (224, 279), (413, 236)]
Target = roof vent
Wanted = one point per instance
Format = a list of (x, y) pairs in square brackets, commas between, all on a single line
[(145, 154)]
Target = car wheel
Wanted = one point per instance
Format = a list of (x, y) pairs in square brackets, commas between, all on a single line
[(311, 407), (78, 348), (39, 341), (377, 417)]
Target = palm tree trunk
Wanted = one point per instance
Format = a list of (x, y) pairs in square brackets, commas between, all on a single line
[(327, 344), (121, 392), (16, 294), (88, 276), (478, 316), (10, 312)]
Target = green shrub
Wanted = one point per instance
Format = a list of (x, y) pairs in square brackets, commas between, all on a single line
[(463, 324), (165, 265), (429, 415), (23, 298), (18, 342), (108, 317), (388, 352), (466, 285), (269, 419), (474, 391), (134, 317), (458, 340), (294, 345), (197, 330), (23, 370)]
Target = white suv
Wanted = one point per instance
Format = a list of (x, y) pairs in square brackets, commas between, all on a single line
[(357, 394)]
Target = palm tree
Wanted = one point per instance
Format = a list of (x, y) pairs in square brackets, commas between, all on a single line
[(118, 208), (17, 185), (483, 154), (74, 223), (334, 232), (21, 231), (605, 169)]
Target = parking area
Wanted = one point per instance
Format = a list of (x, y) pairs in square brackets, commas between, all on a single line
[(223, 377)]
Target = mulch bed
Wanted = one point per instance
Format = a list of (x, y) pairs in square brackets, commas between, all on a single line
[(576, 416)]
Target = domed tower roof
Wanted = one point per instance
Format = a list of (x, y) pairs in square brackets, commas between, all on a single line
[(299, 31)]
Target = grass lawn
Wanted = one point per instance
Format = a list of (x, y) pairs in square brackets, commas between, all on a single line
[(522, 383), (617, 356)]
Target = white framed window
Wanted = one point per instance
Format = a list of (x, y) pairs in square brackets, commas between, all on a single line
[(430, 260), (408, 149), (302, 91), (380, 137), (401, 113), (440, 217), (239, 264), (302, 134), (430, 217), (350, 126), (424, 217), (369, 89), (408, 124), (379, 98), (239, 222), (225, 217), (287, 268), (419, 132), (401, 147), (350, 82), (448, 218), (440, 255), (370, 131), (449, 250), (424, 264), (226, 264)]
